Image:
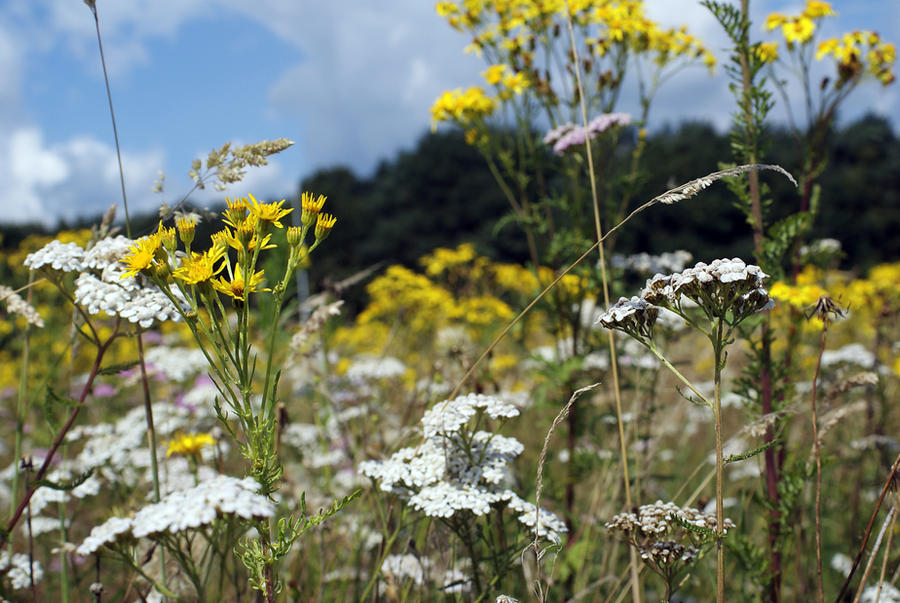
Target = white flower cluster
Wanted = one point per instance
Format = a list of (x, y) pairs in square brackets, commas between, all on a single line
[(175, 363), (100, 286), (65, 257), (400, 568), (883, 592), (184, 510), (723, 287), (448, 417), (16, 305), (455, 470), (633, 316), (660, 540), (372, 369), (655, 520), (644, 263), (853, 354), (19, 568)]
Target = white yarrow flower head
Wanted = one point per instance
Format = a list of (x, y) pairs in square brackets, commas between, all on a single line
[(18, 569), (102, 286), (62, 257), (458, 469), (633, 316), (728, 289), (658, 531), (183, 510)]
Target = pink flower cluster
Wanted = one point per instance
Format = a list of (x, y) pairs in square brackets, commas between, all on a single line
[(569, 135)]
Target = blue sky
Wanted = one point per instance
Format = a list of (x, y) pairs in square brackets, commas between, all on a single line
[(350, 81)]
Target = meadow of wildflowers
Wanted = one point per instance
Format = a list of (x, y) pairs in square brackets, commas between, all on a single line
[(181, 425)]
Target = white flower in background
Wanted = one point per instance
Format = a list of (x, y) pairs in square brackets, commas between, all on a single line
[(19, 568), (16, 305), (41, 525), (64, 257), (882, 593), (176, 363), (105, 534), (371, 368), (644, 263), (853, 354)]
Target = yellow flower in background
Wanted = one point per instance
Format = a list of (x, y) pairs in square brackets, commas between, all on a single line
[(494, 74), (462, 107), (799, 30), (442, 259), (798, 296), (268, 213), (200, 267), (238, 287), (766, 52), (189, 444), (816, 10)]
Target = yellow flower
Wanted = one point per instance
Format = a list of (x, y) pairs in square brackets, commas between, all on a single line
[(200, 267), (775, 20), (324, 224), (445, 9), (238, 287), (766, 52), (186, 227), (494, 74), (827, 47), (799, 30), (310, 207), (236, 211), (268, 212), (141, 255), (799, 296), (516, 82), (816, 10), (189, 444)]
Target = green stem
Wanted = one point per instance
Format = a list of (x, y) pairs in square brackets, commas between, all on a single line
[(718, 348)]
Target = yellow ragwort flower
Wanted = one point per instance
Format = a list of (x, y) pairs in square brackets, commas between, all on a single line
[(238, 287), (236, 211), (766, 52), (186, 227), (324, 224), (189, 444), (140, 256), (494, 74), (200, 267), (798, 30), (310, 207), (271, 213), (816, 10)]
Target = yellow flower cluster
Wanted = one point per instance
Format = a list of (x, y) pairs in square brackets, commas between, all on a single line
[(516, 26), (461, 107), (442, 259), (247, 230), (799, 29), (861, 52)]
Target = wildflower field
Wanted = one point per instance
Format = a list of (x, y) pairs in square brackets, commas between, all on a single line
[(185, 420)]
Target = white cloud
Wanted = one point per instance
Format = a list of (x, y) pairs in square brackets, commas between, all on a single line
[(369, 75), (76, 177)]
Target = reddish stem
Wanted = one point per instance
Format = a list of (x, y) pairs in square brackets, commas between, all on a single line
[(101, 350)]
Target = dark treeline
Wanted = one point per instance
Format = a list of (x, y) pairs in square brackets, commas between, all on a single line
[(441, 194)]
